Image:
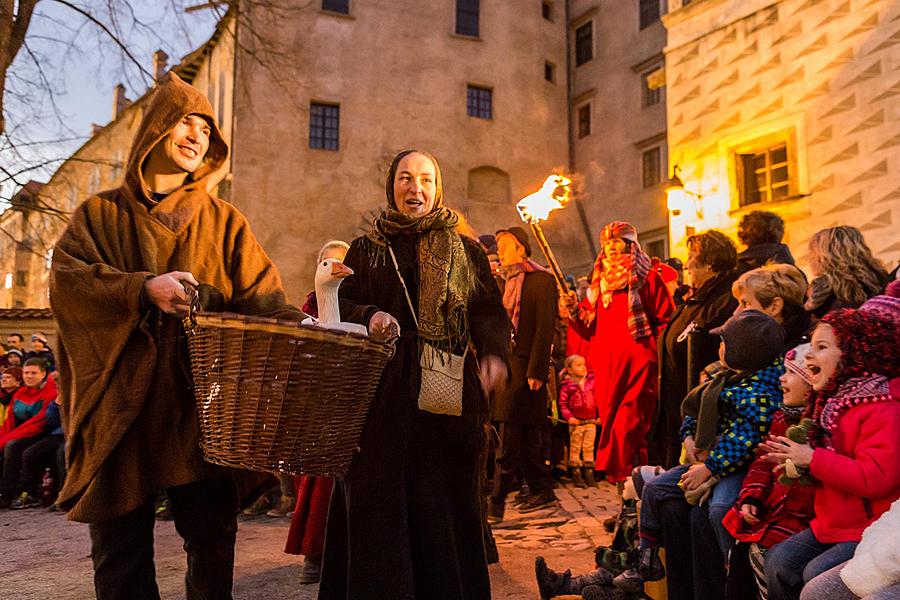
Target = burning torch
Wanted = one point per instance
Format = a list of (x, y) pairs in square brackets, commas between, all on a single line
[(534, 208)]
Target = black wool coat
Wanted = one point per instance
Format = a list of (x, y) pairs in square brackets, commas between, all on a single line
[(709, 307), (405, 522), (530, 353)]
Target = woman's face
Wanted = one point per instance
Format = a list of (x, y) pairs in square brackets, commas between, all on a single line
[(697, 271), (614, 248), (37, 345), (824, 357), (8, 382), (415, 185), (13, 360), (794, 389)]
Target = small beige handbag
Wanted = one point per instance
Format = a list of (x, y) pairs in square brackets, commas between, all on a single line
[(442, 372)]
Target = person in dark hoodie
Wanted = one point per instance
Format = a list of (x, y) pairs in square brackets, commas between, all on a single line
[(117, 292), (761, 231)]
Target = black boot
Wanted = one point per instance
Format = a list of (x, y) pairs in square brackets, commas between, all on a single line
[(589, 476), (577, 480), (552, 584)]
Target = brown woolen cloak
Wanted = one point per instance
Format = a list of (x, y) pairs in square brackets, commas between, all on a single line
[(129, 416)]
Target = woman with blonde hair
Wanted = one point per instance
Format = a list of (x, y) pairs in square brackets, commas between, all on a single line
[(845, 274)]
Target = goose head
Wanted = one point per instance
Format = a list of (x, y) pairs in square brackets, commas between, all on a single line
[(330, 273)]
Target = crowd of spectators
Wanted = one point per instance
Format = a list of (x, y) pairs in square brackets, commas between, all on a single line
[(774, 441)]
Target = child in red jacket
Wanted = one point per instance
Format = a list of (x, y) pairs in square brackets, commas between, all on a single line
[(768, 511), (578, 408), (25, 423), (855, 446)]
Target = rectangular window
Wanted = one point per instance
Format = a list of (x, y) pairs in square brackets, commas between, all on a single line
[(650, 167), (21, 278), (479, 102), (467, 17), (584, 121), (656, 248), (649, 13), (338, 6), (324, 126), (548, 71), (764, 176), (584, 43), (649, 96), (547, 10)]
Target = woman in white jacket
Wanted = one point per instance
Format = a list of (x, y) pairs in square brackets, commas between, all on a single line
[(874, 571)]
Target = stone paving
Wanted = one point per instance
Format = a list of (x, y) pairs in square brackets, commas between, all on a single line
[(576, 525)]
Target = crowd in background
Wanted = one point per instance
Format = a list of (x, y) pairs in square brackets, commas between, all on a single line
[(32, 447), (771, 441)]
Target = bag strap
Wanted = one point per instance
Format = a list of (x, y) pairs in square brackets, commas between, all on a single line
[(409, 303), (403, 283)]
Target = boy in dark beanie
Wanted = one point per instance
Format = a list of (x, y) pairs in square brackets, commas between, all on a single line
[(724, 419)]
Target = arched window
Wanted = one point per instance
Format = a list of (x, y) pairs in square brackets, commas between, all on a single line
[(489, 185)]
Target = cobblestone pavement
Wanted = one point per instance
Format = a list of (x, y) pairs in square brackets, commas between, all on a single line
[(46, 556)]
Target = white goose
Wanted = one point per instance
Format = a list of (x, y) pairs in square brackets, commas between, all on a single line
[(330, 273)]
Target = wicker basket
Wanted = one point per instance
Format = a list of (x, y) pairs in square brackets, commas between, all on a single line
[(275, 396)]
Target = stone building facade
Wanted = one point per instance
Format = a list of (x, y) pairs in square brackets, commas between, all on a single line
[(618, 135), (791, 106)]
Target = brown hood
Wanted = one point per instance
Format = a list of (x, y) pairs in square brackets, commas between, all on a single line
[(172, 101)]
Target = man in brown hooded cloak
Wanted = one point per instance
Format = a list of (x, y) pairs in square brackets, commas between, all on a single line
[(116, 291)]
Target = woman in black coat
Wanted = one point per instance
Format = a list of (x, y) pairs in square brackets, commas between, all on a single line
[(687, 346), (405, 523)]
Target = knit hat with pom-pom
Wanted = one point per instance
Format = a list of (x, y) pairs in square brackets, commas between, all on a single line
[(868, 341), (887, 304)]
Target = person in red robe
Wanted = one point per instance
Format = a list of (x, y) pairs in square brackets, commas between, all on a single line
[(626, 307)]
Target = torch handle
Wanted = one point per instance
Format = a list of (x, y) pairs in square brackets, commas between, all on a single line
[(551, 259)]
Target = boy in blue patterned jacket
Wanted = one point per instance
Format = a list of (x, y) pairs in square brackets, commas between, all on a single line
[(724, 419)]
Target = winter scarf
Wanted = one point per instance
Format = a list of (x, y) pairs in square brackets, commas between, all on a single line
[(514, 276), (445, 277), (853, 392), (702, 403), (609, 276)]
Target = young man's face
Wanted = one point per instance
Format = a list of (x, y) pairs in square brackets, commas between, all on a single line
[(32, 375), (184, 149), (14, 341)]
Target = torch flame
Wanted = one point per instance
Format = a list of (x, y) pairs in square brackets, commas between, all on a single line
[(555, 193)]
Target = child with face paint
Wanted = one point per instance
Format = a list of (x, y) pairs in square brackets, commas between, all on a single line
[(855, 445)]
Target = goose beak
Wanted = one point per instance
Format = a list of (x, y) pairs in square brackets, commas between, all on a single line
[(340, 271)]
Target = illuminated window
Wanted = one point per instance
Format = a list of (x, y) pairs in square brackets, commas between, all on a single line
[(324, 126), (584, 121), (649, 96), (764, 175), (8, 281), (650, 163), (479, 102), (584, 43), (467, 17), (649, 12), (338, 6)]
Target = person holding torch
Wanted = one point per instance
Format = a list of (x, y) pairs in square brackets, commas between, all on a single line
[(627, 305)]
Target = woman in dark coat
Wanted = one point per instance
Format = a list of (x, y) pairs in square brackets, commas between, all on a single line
[(405, 523), (712, 257)]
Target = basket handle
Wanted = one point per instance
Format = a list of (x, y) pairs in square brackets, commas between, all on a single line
[(195, 305)]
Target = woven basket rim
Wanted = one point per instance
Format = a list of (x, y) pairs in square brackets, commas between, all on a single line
[(295, 329)]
